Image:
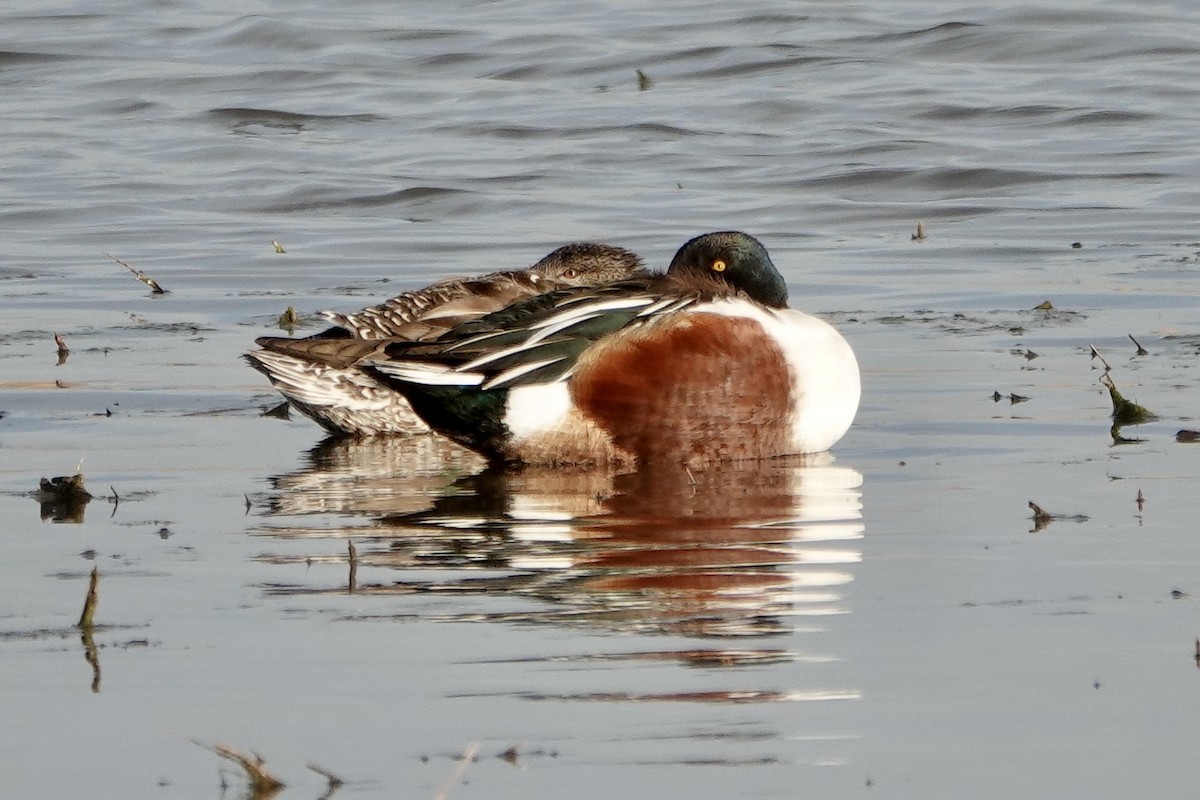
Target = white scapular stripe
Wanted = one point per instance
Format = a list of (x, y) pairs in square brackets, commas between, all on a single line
[(426, 374), (515, 372)]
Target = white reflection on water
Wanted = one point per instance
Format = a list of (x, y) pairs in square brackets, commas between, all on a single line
[(739, 550)]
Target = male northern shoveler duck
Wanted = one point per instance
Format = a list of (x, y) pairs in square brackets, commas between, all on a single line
[(700, 365), (347, 400)]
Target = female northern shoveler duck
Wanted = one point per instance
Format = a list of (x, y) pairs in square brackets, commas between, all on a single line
[(347, 400), (700, 365)]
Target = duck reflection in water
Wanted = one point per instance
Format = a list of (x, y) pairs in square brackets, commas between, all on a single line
[(738, 549)]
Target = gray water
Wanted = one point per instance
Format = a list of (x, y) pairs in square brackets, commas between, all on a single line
[(888, 622)]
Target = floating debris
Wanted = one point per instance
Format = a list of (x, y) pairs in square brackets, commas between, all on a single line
[(1141, 501), (1042, 517), (289, 319), (333, 782), (89, 603), (281, 411), (1187, 436), (141, 276), (263, 784), (919, 233), (643, 80), (63, 499), (65, 486), (1125, 412), (1141, 351), (464, 761), (63, 350), (1119, 438), (1013, 399), (1076, 245), (1045, 305), (278, 247), (352, 556)]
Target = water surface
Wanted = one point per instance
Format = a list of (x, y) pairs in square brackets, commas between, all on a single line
[(885, 622)]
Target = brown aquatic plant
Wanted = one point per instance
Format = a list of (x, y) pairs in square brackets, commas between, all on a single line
[(141, 276)]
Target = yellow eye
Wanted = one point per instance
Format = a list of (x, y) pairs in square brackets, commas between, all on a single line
[(718, 266)]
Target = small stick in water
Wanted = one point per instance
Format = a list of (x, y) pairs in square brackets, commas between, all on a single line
[(262, 783), (141, 276), (89, 605), (1141, 351)]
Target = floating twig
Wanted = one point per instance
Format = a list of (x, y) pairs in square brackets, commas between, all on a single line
[(1141, 501), (63, 350), (465, 761), (89, 604), (1141, 351), (333, 782), (1096, 354), (91, 656), (249, 505), (141, 276), (352, 583), (1042, 517), (278, 247), (262, 783)]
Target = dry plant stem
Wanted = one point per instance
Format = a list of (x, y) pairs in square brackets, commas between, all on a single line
[(89, 605), (467, 757), (262, 783), (141, 276), (1141, 351), (353, 557)]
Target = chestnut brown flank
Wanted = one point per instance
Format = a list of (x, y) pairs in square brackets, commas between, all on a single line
[(691, 389)]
